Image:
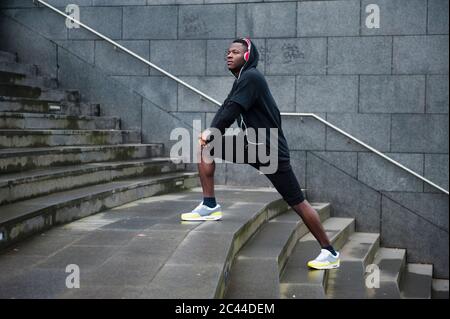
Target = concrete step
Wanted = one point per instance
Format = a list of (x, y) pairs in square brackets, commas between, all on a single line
[(8, 57), (140, 249), (20, 220), (23, 159), (48, 138), (297, 281), (20, 186), (19, 68), (416, 281), (24, 105), (20, 79), (257, 267), (391, 264), (200, 265), (9, 91), (439, 289), (12, 120), (349, 280)]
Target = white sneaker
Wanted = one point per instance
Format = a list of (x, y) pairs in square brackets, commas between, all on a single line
[(326, 260), (203, 212)]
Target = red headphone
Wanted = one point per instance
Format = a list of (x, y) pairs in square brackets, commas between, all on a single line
[(249, 45)]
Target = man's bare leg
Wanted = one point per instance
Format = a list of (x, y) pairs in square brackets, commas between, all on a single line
[(208, 208), (206, 172), (312, 221)]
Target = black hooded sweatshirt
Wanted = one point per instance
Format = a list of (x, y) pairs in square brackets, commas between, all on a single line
[(251, 103)]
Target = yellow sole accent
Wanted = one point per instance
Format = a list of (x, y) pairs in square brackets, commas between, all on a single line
[(216, 214), (197, 217), (321, 266)]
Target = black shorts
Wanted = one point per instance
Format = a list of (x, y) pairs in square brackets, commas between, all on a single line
[(284, 179)]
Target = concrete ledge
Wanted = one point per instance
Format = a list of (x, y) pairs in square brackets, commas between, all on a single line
[(23, 219), (19, 68), (348, 282), (137, 249), (440, 289), (40, 81), (208, 250), (8, 57), (417, 281), (392, 264), (46, 138), (17, 160), (297, 280), (257, 267), (8, 90), (20, 186), (24, 105), (12, 120)]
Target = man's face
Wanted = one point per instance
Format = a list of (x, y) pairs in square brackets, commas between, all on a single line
[(235, 56)]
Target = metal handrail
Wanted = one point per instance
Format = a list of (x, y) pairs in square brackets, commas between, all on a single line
[(207, 97)]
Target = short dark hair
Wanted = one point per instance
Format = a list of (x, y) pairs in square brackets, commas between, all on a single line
[(242, 41)]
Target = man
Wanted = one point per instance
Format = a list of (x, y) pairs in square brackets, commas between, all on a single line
[(251, 103)]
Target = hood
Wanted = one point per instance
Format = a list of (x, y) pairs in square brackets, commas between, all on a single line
[(252, 61)]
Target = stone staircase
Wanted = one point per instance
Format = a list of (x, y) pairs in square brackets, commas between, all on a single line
[(259, 250), (60, 160), (61, 163), (273, 264)]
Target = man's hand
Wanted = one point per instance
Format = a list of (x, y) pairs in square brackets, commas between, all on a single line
[(203, 138)]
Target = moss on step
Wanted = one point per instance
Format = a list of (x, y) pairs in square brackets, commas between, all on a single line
[(29, 164), (8, 77), (97, 138), (125, 153), (31, 104), (72, 123), (20, 91)]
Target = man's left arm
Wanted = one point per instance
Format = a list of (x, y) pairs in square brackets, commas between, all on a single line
[(223, 119)]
